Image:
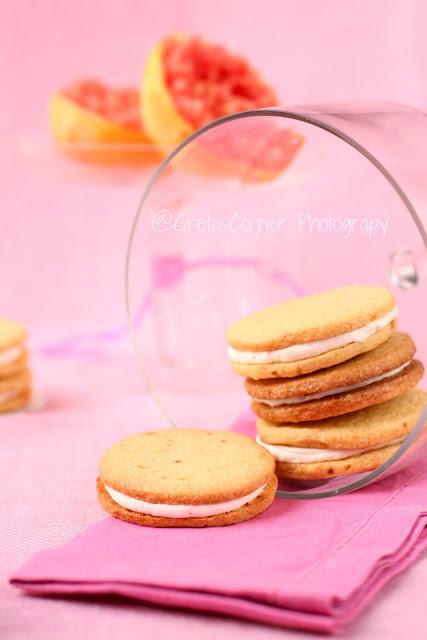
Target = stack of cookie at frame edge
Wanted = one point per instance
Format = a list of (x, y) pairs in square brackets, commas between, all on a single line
[(332, 383), (15, 377)]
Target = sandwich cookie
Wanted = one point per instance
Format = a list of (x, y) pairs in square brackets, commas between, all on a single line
[(13, 356), (353, 443), (186, 478), (370, 378), (312, 332), (15, 391)]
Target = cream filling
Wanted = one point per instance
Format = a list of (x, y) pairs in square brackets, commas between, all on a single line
[(181, 510), (311, 349), (331, 392), (305, 455), (10, 355), (6, 396)]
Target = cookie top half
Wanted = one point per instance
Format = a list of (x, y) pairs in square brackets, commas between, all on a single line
[(11, 334), (186, 466), (310, 318)]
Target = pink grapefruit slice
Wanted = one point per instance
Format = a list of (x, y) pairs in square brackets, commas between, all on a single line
[(96, 123), (188, 83)]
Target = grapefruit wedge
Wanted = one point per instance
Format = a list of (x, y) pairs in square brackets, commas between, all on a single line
[(188, 83), (96, 123)]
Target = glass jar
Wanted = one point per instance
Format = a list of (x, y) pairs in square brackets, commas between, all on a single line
[(263, 206)]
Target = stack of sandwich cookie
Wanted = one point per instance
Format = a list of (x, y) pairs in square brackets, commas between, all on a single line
[(15, 378), (186, 478), (326, 361)]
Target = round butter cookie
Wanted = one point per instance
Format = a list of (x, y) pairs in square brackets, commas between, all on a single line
[(186, 478), (369, 427), (312, 332), (354, 443), (343, 398)]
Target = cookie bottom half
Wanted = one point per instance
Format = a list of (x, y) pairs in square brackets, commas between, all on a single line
[(248, 511), (359, 463), (17, 403)]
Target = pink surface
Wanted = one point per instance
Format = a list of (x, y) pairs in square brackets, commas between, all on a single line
[(259, 570), (62, 251)]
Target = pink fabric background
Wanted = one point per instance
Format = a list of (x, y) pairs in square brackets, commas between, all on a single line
[(62, 246)]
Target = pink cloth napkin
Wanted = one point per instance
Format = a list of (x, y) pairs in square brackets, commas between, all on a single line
[(308, 565)]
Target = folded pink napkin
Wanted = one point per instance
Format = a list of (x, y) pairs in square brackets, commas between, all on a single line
[(303, 564)]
